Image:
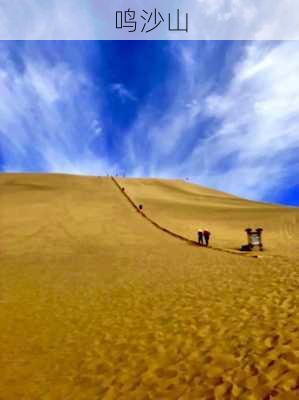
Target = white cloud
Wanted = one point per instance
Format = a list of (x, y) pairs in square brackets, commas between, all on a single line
[(124, 93), (258, 123)]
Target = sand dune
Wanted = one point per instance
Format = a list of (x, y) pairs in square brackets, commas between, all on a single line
[(184, 207), (96, 303)]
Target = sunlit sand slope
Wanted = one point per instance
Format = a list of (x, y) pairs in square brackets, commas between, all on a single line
[(184, 207), (96, 303)]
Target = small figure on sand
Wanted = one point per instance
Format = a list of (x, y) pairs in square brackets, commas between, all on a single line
[(203, 237), (200, 236), (206, 235)]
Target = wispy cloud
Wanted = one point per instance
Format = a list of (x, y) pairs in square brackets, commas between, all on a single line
[(48, 117), (123, 93), (242, 137), (257, 133)]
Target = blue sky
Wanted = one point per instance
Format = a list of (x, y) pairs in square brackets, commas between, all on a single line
[(224, 114)]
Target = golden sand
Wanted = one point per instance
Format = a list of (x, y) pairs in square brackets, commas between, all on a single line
[(96, 303), (184, 208)]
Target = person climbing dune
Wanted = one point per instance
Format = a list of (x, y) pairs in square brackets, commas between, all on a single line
[(206, 235), (200, 236)]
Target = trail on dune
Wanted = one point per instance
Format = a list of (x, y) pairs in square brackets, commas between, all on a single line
[(171, 233)]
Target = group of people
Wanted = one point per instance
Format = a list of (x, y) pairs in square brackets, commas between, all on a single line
[(203, 237)]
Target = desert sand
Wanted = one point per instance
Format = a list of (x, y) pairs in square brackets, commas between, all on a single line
[(97, 303)]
